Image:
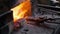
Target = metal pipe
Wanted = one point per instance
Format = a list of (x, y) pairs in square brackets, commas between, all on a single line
[(49, 7), (5, 13)]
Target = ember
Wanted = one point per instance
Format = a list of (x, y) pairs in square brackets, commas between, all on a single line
[(22, 10)]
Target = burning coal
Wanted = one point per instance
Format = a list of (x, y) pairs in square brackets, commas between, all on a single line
[(22, 10)]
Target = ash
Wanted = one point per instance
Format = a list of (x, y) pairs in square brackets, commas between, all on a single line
[(31, 29)]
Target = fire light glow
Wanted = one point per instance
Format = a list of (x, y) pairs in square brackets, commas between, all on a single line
[(22, 10)]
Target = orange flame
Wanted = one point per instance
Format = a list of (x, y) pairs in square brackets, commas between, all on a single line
[(22, 10)]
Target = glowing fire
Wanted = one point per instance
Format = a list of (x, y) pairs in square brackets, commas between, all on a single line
[(22, 10)]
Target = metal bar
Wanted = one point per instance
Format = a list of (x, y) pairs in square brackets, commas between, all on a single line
[(5, 13), (48, 6), (5, 25)]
